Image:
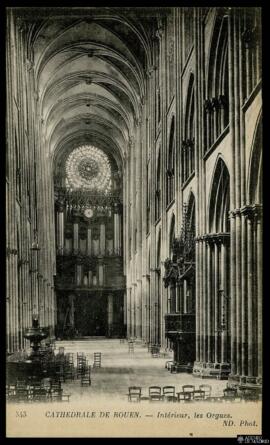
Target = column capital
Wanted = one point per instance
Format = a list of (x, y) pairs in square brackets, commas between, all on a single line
[(215, 103), (252, 211), (198, 239), (250, 37), (217, 238), (208, 106), (234, 213), (60, 206), (150, 70)]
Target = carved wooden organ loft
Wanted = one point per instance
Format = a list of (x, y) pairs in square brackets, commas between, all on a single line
[(179, 278)]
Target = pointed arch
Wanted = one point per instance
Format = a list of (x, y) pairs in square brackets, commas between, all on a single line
[(219, 203), (218, 57), (255, 167), (158, 187), (191, 214), (217, 86), (189, 109), (171, 235), (158, 252), (187, 155), (171, 163)]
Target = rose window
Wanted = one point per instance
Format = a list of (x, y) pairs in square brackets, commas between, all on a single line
[(88, 168)]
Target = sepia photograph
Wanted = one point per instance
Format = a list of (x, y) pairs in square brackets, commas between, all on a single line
[(134, 236)]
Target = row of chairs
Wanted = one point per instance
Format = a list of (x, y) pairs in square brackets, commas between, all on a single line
[(47, 390), (189, 393), (169, 394)]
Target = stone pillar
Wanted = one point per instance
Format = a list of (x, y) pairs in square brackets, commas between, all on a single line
[(78, 274), (214, 119), (209, 302), (223, 302), (233, 296), (181, 297), (172, 298), (120, 233), (129, 313), (250, 307), (201, 297), (90, 278), (139, 309), (60, 228), (116, 230), (100, 272), (198, 308), (76, 235), (125, 308), (259, 290), (110, 314), (89, 240), (244, 334), (216, 297), (102, 238)]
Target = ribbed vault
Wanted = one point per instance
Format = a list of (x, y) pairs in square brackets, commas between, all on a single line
[(89, 69)]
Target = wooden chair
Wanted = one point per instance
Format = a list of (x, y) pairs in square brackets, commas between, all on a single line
[(155, 351), (46, 384), (81, 358), (11, 392), (134, 393), (155, 394), (81, 365), (56, 394), (189, 388), (97, 360), (86, 377), (198, 394), (40, 395), (229, 394), (207, 390), (169, 394), (65, 397), (184, 396), (168, 364), (61, 350), (70, 358), (69, 372), (21, 394), (249, 394)]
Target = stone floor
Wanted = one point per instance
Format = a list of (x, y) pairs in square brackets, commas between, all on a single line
[(121, 369)]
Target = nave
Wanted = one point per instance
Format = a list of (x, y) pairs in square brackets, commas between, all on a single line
[(134, 193)]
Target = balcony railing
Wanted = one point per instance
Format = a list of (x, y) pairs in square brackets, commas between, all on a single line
[(179, 323), (76, 252)]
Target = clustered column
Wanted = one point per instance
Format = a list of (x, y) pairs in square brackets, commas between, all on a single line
[(214, 327)]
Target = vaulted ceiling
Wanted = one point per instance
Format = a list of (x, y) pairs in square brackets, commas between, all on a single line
[(89, 66)]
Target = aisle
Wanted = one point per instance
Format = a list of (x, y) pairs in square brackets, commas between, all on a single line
[(121, 369)]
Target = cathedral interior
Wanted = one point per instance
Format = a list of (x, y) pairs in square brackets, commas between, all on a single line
[(134, 185)]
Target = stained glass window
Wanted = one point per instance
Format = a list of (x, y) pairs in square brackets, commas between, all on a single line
[(88, 168)]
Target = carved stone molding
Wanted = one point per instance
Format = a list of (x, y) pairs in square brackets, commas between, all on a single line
[(217, 238)]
